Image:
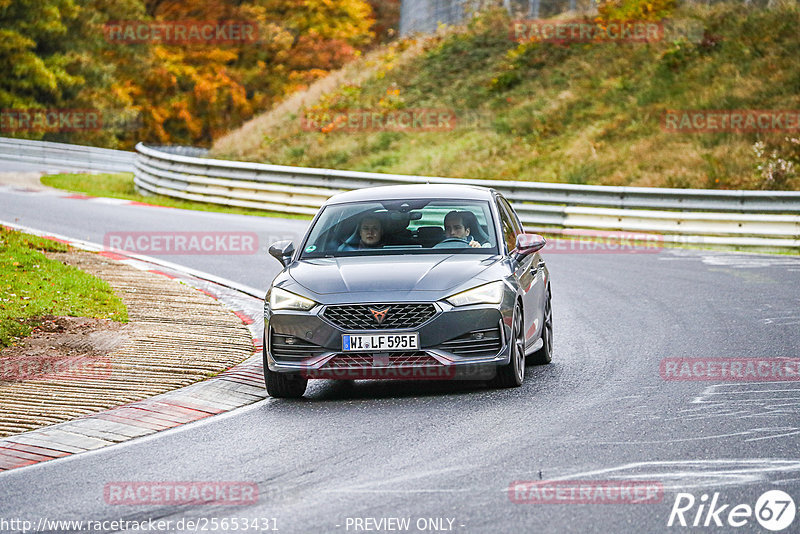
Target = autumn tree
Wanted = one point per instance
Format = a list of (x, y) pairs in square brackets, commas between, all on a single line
[(57, 55)]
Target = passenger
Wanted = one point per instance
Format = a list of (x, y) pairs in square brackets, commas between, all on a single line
[(457, 226), (370, 235)]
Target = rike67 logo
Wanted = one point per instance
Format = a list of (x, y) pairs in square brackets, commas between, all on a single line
[(774, 510)]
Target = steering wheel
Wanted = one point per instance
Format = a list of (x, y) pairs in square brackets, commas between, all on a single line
[(453, 240)]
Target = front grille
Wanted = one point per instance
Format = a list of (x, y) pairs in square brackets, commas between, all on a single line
[(359, 316), (485, 342), (394, 359), (290, 348)]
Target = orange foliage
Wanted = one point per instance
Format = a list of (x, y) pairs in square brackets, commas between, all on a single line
[(192, 93)]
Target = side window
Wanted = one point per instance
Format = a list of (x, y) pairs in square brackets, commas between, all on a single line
[(509, 235), (514, 219)]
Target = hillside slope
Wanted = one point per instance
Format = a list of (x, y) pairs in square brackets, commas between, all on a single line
[(579, 113)]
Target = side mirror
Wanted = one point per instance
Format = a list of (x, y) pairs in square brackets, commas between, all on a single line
[(528, 244), (282, 251)]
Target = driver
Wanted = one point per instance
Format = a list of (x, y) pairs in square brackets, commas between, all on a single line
[(456, 226)]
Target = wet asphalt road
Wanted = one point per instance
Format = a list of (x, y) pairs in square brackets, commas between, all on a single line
[(428, 450)]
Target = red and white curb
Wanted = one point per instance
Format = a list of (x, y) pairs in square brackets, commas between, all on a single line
[(238, 386), (44, 190)]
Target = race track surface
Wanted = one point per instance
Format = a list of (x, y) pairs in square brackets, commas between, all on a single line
[(422, 450)]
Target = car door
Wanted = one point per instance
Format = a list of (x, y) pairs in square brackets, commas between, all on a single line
[(529, 272)]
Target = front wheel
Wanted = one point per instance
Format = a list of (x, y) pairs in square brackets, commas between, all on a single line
[(283, 385), (513, 374), (545, 354)]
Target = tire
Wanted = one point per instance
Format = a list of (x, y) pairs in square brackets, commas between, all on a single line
[(512, 374), (283, 385), (544, 355)]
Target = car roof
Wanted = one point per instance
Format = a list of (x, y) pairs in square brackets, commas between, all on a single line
[(401, 192)]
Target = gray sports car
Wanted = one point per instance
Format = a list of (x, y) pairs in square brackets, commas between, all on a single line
[(410, 282)]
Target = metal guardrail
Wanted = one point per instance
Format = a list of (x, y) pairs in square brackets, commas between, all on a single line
[(765, 219), (769, 219), (57, 157), (180, 150)]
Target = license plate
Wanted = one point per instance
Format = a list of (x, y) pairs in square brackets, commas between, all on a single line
[(379, 342)]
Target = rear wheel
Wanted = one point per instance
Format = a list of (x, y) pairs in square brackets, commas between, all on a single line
[(513, 374), (283, 385), (545, 354)]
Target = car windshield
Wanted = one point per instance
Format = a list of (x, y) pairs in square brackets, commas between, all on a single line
[(418, 226)]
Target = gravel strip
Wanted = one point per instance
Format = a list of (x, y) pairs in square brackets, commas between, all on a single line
[(176, 336)]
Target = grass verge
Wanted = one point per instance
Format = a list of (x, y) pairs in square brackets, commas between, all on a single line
[(33, 286), (122, 186)]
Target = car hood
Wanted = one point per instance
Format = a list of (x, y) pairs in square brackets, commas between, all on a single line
[(436, 272)]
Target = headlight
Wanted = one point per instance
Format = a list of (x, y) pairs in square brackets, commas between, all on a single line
[(491, 293), (280, 299)]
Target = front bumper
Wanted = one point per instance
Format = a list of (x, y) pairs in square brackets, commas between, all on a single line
[(462, 343)]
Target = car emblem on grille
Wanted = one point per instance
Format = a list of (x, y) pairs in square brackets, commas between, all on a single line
[(379, 315)]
